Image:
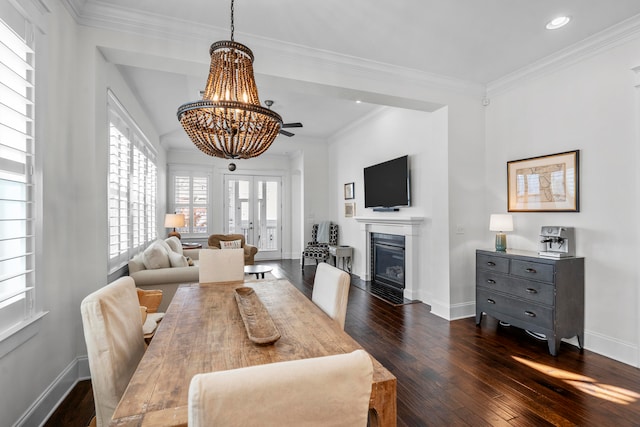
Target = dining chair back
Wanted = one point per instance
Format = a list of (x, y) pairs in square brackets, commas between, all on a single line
[(115, 343), (322, 391), (221, 265), (331, 291)]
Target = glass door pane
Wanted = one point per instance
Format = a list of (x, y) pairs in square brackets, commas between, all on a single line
[(253, 205)]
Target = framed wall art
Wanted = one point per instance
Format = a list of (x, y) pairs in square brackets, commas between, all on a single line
[(544, 184), (349, 210), (349, 191)]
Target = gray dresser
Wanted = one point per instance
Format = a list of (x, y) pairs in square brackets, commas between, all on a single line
[(541, 295)]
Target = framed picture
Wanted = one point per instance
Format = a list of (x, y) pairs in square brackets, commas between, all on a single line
[(544, 184), (348, 191), (349, 210)]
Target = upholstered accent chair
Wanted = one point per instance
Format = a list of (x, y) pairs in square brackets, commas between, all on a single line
[(249, 250), (319, 250), (321, 391), (331, 291), (115, 342), (150, 300)]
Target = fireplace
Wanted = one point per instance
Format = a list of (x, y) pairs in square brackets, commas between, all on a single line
[(406, 227), (387, 260)]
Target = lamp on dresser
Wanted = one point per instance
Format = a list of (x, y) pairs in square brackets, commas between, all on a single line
[(174, 221), (501, 223)]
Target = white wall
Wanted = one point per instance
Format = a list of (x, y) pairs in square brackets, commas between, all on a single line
[(386, 134), (591, 106), (72, 141)]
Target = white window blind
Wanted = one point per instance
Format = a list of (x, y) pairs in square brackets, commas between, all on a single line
[(191, 198), (132, 187), (17, 211)]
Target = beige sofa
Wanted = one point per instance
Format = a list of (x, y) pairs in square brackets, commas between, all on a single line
[(161, 276)]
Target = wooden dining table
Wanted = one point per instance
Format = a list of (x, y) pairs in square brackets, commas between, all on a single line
[(203, 331)]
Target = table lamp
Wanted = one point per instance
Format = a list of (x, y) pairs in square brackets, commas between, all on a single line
[(173, 221), (501, 223)]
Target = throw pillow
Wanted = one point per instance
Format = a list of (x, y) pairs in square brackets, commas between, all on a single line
[(177, 260), (230, 244), (155, 256), (174, 244), (163, 244)]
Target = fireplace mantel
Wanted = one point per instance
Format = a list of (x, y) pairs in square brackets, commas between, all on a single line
[(409, 227), (403, 220)]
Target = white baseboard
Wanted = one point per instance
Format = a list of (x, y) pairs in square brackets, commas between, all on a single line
[(40, 411), (463, 310), (619, 350)]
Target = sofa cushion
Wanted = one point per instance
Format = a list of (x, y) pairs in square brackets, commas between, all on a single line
[(136, 264), (174, 244), (177, 260), (231, 244), (155, 256)]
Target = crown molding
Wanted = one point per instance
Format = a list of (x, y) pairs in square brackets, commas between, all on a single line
[(95, 13), (74, 7), (591, 46)]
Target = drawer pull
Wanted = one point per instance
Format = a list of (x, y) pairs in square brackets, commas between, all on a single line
[(531, 291), (491, 281), (530, 270), (490, 301), (491, 264), (530, 313)]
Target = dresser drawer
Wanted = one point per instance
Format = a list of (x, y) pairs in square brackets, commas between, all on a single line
[(521, 310), (492, 263), (537, 292), (532, 270)]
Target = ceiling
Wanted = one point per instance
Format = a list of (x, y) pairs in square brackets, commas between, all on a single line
[(470, 40)]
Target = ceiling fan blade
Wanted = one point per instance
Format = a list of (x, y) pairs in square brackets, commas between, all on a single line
[(292, 125), (284, 132)]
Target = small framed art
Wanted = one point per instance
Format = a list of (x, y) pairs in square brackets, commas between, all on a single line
[(349, 210), (349, 191)]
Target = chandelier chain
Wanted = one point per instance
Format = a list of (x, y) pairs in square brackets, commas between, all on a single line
[(232, 27)]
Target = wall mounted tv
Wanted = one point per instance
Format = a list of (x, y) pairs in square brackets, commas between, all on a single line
[(386, 185)]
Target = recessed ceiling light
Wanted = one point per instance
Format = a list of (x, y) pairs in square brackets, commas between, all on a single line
[(358, 101), (558, 22)]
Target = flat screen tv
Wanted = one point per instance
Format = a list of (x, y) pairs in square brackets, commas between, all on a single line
[(386, 185)]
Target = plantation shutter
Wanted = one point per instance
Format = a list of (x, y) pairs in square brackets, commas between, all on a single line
[(132, 187), (17, 211)]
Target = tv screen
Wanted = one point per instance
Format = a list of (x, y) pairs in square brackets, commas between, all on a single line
[(387, 184)]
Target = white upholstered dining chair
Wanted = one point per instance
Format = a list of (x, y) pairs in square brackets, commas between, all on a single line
[(322, 391), (331, 291), (115, 344), (221, 265)]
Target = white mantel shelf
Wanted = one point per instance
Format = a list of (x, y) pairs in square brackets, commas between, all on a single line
[(402, 220)]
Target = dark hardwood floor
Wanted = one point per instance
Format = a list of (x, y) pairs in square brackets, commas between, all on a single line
[(457, 374)]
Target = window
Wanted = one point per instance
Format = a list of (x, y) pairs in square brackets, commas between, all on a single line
[(132, 187), (17, 192), (190, 196)]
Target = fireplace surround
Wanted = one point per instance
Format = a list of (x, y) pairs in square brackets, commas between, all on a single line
[(409, 228)]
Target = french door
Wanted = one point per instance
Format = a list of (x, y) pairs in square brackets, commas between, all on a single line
[(253, 208)]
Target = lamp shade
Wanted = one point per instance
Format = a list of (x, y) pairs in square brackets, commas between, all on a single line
[(501, 222), (174, 220)]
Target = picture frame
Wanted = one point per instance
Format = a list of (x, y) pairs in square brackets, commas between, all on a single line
[(349, 210), (547, 183), (349, 192)]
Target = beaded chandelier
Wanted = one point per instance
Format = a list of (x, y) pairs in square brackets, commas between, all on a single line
[(229, 121)]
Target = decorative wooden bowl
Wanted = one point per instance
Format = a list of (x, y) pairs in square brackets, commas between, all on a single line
[(256, 318)]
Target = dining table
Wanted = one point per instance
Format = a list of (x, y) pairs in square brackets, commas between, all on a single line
[(203, 331)]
